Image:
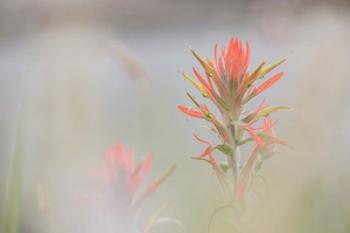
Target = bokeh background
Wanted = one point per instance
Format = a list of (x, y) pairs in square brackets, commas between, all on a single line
[(79, 76)]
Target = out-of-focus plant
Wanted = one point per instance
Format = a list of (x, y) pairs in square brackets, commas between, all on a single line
[(130, 64), (120, 184), (9, 216), (10, 212), (230, 87)]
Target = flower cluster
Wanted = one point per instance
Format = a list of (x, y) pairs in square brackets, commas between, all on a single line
[(121, 181), (228, 84)]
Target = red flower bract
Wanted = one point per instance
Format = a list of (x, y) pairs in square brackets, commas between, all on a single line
[(232, 63), (190, 112), (117, 160), (122, 187), (121, 176)]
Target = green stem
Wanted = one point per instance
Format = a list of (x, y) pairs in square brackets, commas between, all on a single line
[(215, 212), (11, 203), (232, 161), (10, 214)]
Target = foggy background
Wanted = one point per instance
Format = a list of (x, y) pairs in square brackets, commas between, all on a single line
[(79, 76)]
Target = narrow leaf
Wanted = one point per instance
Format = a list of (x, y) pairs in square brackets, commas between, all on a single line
[(267, 69), (224, 167), (193, 100), (205, 64), (195, 84), (153, 186), (226, 149), (253, 76), (268, 110), (222, 103)]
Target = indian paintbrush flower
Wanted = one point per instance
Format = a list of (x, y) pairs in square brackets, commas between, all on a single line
[(120, 182), (230, 86)]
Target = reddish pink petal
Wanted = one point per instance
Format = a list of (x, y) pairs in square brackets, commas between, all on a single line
[(265, 85), (139, 174), (240, 192), (146, 165), (268, 124), (111, 163), (206, 86), (134, 181), (250, 117), (259, 142), (207, 152), (246, 57), (150, 189), (190, 112), (128, 160), (117, 156), (201, 140), (216, 53)]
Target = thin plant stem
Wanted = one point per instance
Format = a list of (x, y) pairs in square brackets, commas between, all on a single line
[(10, 215)]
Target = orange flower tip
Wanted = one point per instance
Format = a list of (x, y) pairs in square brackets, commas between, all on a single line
[(277, 77)]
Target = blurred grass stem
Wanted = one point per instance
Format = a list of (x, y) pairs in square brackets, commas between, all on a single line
[(10, 214)]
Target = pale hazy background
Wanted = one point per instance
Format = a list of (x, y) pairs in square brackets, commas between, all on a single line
[(78, 76)]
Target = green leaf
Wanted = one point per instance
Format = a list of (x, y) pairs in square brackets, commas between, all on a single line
[(224, 167), (226, 149), (236, 226), (267, 154), (222, 103), (254, 75), (265, 137), (244, 141), (195, 84), (264, 181), (267, 69), (205, 64), (193, 100), (152, 221), (268, 110), (258, 165)]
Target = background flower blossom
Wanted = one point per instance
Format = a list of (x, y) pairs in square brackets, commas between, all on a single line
[(121, 183)]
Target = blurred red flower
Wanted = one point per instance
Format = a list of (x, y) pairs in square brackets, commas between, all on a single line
[(121, 185)]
